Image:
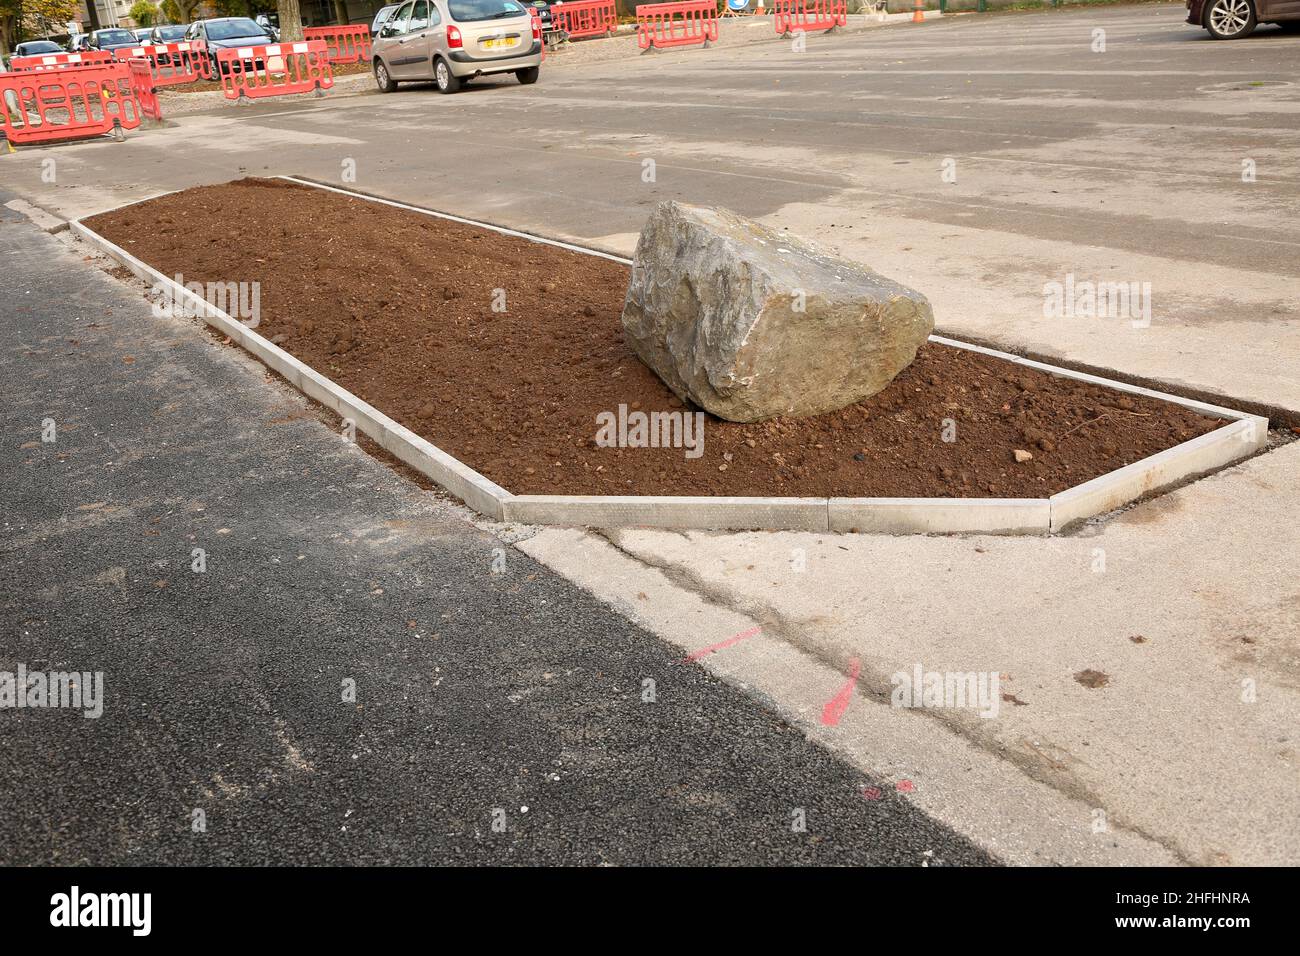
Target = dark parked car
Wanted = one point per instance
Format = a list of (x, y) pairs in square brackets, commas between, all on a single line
[(382, 17), (225, 33), (1234, 19), (163, 34), (113, 39), (33, 48), (37, 48), (167, 34)]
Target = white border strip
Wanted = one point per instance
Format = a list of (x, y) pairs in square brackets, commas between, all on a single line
[(671, 511), (1247, 434), (941, 515), (476, 491)]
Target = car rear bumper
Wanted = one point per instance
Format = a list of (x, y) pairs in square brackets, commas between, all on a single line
[(462, 64)]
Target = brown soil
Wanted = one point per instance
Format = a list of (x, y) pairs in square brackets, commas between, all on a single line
[(397, 307)]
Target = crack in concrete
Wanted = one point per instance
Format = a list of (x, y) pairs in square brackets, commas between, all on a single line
[(875, 686)]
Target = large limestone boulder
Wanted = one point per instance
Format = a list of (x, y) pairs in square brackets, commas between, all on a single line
[(749, 324)]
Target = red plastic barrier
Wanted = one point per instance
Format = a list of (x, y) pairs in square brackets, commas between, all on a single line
[(808, 15), (275, 69), (585, 18), (169, 63), (201, 57), (144, 88), (660, 25), (71, 102), (57, 61), (346, 44)]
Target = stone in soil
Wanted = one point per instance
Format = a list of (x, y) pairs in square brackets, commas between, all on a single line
[(750, 324)]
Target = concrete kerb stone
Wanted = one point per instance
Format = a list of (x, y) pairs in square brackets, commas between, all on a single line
[(941, 515), (1243, 436), (694, 512)]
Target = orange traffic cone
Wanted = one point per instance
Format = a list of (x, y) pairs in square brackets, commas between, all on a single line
[(918, 14)]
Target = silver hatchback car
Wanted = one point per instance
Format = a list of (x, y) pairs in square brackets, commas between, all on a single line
[(449, 41)]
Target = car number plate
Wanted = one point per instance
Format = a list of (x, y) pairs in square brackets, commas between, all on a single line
[(503, 43)]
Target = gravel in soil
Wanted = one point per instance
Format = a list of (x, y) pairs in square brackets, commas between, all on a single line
[(504, 352)]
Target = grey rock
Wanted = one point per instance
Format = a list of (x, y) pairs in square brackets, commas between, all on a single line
[(714, 308)]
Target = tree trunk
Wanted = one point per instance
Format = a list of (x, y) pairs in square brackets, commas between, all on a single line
[(93, 16), (290, 19), (341, 12)]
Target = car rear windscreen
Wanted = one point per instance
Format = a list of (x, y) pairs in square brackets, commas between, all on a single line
[(468, 11)]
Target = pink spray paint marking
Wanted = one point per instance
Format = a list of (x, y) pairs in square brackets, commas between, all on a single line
[(875, 793), (838, 704), (722, 645)]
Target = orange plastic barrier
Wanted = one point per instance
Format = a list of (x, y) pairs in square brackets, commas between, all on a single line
[(169, 63), (345, 44), (57, 61), (71, 102), (808, 15), (585, 18), (660, 25), (202, 59), (144, 88), (275, 69)]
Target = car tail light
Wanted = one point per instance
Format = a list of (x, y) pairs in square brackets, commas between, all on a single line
[(453, 38), (537, 25)]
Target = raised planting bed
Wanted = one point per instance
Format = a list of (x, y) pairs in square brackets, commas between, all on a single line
[(392, 316)]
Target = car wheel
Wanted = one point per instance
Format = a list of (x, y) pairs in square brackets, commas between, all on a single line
[(385, 82), (529, 75), (1230, 19), (447, 81)]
